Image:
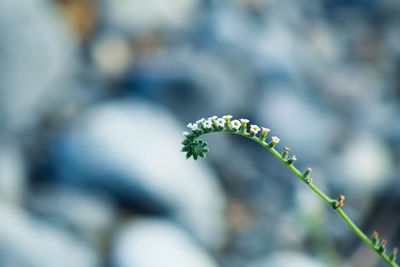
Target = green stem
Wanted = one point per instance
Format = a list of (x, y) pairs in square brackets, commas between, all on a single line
[(357, 230), (327, 199)]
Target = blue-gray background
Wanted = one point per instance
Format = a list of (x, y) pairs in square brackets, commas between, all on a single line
[(94, 96)]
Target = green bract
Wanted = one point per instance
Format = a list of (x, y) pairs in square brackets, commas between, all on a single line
[(194, 147)]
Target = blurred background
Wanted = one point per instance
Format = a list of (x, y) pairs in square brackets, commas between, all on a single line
[(94, 96)]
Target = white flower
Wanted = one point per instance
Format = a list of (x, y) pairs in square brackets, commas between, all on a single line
[(227, 117), (192, 126), (212, 118), (244, 120), (220, 122), (185, 133), (254, 129), (207, 124), (265, 130), (275, 139), (264, 133), (200, 121), (235, 124)]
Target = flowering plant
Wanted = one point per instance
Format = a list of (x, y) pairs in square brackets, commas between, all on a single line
[(195, 147)]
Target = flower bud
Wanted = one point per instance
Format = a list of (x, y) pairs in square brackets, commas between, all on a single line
[(194, 147), (285, 152), (291, 160), (375, 238), (190, 135), (213, 122), (337, 204), (227, 119), (306, 174), (264, 133), (244, 125), (393, 256), (382, 247), (186, 142)]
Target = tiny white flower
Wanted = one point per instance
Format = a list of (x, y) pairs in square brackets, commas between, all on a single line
[(264, 133), (275, 139), (200, 121), (227, 117), (185, 133), (254, 129), (195, 127), (265, 130), (235, 124), (220, 122), (244, 120), (212, 119), (207, 124)]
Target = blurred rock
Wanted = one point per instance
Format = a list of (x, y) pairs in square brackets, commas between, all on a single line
[(309, 207), (184, 79), (289, 232), (89, 215), (112, 55), (35, 61), (157, 243), (393, 39), (364, 164), (301, 124), (352, 86), (131, 149), (12, 173), (286, 259), (27, 242), (145, 16), (81, 16)]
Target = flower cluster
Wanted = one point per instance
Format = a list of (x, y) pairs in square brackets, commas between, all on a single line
[(195, 147)]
